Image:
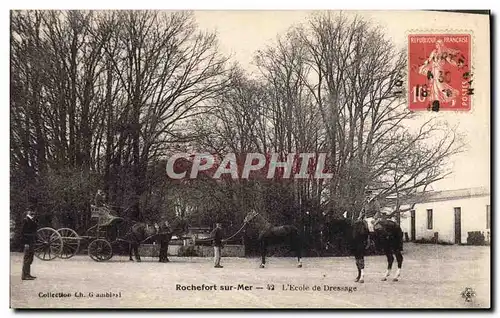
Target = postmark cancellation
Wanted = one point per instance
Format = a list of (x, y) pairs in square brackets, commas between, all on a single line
[(440, 71)]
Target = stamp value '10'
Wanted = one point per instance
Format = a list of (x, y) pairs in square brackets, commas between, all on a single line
[(440, 75)]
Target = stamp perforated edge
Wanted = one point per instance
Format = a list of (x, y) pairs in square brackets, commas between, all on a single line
[(441, 32)]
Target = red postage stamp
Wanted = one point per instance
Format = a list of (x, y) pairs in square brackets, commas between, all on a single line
[(440, 75)]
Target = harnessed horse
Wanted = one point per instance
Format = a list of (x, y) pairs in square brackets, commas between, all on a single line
[(269, 234), (161, 233)]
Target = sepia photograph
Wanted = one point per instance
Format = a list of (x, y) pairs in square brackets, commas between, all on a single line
[(250, 159)]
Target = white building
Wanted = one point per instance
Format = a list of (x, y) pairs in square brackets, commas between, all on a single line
[(451, 214)]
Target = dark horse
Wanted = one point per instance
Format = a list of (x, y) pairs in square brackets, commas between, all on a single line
[(269, 234), (387, 236), (160, 232), (350, 236)]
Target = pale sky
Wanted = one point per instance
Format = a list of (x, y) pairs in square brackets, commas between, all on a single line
[(242, 33)]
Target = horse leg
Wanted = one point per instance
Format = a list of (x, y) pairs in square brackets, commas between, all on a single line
[(360, 261), (399, 259), (164, 252), (136, 252), (263, 251), (360, 264), (398, 247), (390, 260), (362, 269), (160, 256), (359, 271), (297, 246), (299, 258), (130, 252)]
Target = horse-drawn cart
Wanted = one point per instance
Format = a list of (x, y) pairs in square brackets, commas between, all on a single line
[(65, 242)]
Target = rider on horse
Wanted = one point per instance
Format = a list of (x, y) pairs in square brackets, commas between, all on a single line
[(371, 208)]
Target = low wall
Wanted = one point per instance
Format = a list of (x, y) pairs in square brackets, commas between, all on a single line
[(153, 250), (227, 251)]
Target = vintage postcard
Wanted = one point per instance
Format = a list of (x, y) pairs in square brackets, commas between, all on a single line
[(250, 159)]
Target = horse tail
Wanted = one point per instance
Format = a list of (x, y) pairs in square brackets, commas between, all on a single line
[(399, 238), (297, 237), (296, 242)]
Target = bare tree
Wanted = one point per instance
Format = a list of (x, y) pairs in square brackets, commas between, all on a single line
[(168, 71), (104, 92), (356, 79)]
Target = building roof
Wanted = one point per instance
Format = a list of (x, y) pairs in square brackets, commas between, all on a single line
[(433, 196)]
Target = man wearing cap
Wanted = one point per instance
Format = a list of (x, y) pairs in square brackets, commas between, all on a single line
[(373, 209), (29, 236), (100, 199), (165, 232), (104, 213), (217, 243)]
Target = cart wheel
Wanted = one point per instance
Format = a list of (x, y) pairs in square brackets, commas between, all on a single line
[(48, 244), (71, 242), (100, 250)]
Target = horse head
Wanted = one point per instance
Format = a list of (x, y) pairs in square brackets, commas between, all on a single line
[(178, 226), (249, 217)]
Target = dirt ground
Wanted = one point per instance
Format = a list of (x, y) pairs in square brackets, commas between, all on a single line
[(433, 276)]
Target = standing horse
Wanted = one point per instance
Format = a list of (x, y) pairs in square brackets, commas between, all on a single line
[(161, 233), (269, 234), (352, 236), (387, 235)]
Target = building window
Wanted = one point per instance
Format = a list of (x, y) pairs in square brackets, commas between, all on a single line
[(429, 219), (488, 217)]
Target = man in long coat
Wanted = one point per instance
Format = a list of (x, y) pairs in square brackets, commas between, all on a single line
[(216, 236), (30, 226)]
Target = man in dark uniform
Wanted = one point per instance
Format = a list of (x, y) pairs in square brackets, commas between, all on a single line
[(102, 209), (100, 199), (217, 243), (165, 234), (371, 206), (29, 237)]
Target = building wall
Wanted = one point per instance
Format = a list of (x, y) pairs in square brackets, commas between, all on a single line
[(473, 218), (405, 224)]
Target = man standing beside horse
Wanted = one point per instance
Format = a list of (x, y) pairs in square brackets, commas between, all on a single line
[(216, 236), (164, 240)]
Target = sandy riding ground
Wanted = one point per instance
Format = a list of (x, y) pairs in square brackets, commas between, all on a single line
[(433, 276)]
